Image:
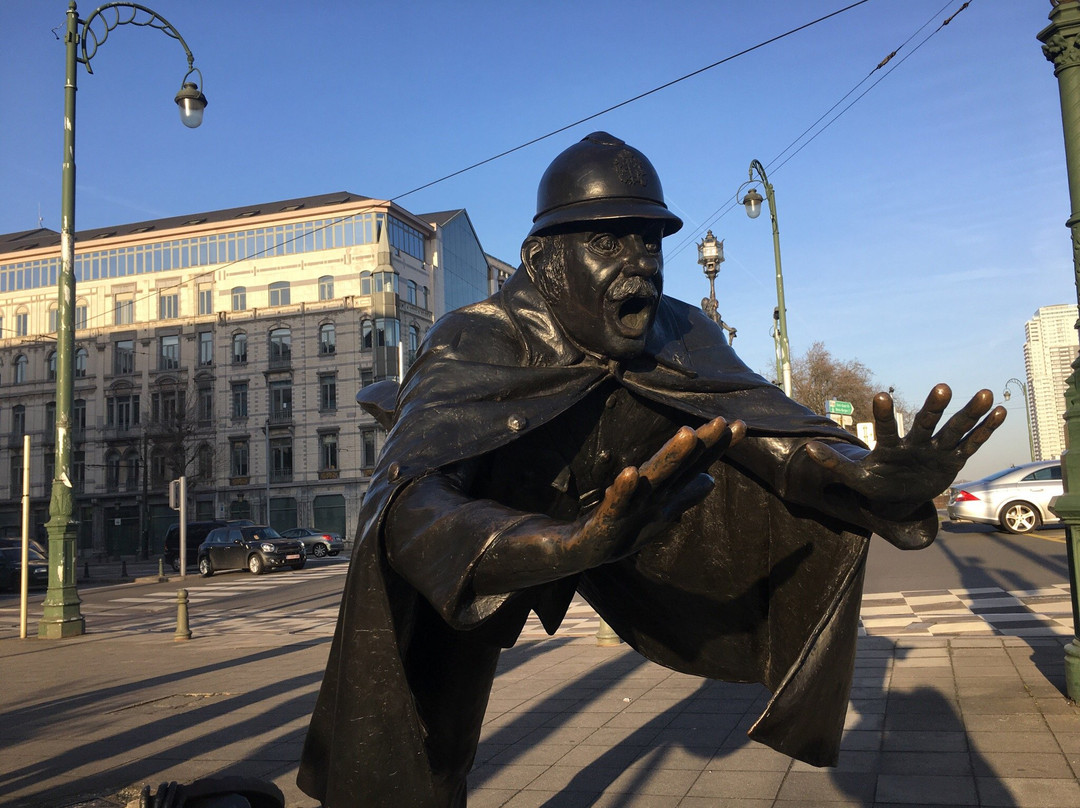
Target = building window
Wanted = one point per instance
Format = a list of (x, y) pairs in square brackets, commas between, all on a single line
[(22, 324), (367, 449), (238, 458), (367, 376), (78, 415), (168, 305), (386, 332), (239, 298), (327, 339), (427, 305), (414, 344), (279, 293), (240, 400), (49, 470), (18, 421), (206, 298), (124, 357), (112, 470), (206, 348), (328, 459), (410, 292), (326, 287), (280, 401), (365, 335), (121, 411), (50, 421), (50, 366), (280, 346), (205, 462), (206, 404), (16, 480), (328, 391), (281, 468), (169, 358), (239, 348), (54, 319), (81, 316), (78, 470), (81, 356), (386, 282), (159, 474), (124, 311), (21, 364), (167, 406), (365, 283)]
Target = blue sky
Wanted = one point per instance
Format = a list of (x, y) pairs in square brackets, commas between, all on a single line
[(919, 231)]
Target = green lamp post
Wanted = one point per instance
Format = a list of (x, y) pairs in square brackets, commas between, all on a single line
[(1027, 411), (1061, 45), (752, 202), (62, 616)]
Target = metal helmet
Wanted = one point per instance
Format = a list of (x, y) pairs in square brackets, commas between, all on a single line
[(600, 177)]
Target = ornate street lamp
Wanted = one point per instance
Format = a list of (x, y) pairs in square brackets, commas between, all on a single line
[(1061, 45), (1027, 411), (61, 614), (752, 202), (710, 254)]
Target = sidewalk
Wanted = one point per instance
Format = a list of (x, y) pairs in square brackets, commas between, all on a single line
[(964, 721)]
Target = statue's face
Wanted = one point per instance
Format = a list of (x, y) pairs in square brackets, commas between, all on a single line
[(613, 281)]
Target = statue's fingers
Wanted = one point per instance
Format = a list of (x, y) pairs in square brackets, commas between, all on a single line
[(616, 502), (715, 438), (980, 434), (958, 426), (927, 418), (885, 430), (671, 457)]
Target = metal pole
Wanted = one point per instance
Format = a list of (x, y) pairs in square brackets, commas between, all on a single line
[(61, 614), (183, 526), (785, 345), (1027, 413), (1060, 46), (24, 575)]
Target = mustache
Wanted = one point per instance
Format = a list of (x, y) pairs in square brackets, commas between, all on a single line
[(625, 288)]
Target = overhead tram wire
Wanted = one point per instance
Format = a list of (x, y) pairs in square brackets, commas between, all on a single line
[(543, 137), (773, 166)]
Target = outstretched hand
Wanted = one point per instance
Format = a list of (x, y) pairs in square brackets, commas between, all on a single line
[(645, 500), (913, 469)]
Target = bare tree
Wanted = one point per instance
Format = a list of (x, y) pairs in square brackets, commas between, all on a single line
[(179, 435)]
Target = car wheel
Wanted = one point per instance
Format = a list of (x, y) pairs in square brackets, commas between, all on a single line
[(175, 564), (319, 550), (1020, 517), (255, 565), (206, 569), (299, 566)]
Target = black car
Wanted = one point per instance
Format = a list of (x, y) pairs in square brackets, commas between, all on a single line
[(11, 568), (257, 548), (196, 535)]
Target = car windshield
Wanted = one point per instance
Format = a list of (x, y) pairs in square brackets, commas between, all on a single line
[(259, 532), (15, 554), (998, 474)]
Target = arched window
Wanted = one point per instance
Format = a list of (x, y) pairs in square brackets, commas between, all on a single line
[(280, 345), (50, 366), (279, 293), (365, 335), (410, 292), (20, 368), (239, 348), (22, 322), (53, 319), (18, 421), (326, 287), (239, 298), (327, 339), (81, 355)]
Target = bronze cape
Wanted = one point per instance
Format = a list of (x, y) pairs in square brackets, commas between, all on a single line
[(747, 587)]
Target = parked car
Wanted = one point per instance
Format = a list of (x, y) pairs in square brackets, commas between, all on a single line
[(257, 548), (318, 542), (196, 535), (1017, 499), (11, 568)]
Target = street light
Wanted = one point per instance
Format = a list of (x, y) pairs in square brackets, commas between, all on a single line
[(752, 202), (1023, 390), (61, 613), (710, 254), (1060, 40)]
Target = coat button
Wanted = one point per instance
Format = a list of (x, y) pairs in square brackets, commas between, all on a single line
[(517, 422), (612, 400), (394, 472), (604, 456)]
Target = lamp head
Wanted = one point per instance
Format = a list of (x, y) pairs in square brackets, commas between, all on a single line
[(192, 103), (752, 202)]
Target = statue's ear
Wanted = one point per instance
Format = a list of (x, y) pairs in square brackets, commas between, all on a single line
[(531, 249)]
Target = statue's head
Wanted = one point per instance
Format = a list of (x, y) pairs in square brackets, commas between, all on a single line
[(594, 249)]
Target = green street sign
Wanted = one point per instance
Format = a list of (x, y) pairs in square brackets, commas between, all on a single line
[(839, 407)]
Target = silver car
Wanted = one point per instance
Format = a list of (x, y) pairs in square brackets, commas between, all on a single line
[(1017, 498)]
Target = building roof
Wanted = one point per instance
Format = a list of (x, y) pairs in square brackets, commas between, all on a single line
[(43, 237)]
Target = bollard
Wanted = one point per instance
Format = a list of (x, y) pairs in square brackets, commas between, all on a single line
[(161, 571), (605, 636), (182, 630), (123, 569), (86, 570)]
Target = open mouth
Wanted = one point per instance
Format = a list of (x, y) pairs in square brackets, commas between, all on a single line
[(634, 314)]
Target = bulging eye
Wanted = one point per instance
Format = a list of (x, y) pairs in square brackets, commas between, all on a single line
[(604, 243), (652, 245)]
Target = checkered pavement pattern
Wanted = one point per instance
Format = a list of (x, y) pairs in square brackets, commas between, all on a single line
[(987, 611)]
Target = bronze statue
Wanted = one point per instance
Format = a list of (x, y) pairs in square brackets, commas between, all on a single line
[(579, 431)]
